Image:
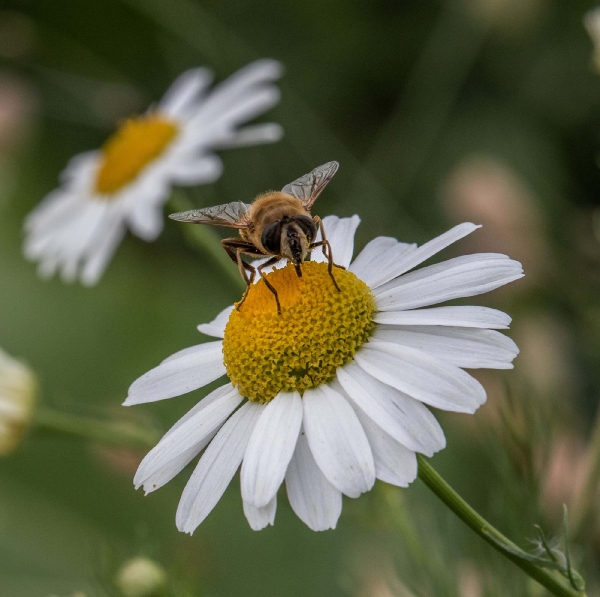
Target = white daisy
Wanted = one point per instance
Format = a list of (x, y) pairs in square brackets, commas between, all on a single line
[(332, 393), (18, 390), (78, 226)]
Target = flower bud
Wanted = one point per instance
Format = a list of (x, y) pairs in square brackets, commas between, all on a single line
[(18, 390), (141, 577), (591, 21)]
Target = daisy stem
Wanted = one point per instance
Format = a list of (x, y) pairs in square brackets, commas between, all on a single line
[(206, 239), (107, 432), (550, 580)]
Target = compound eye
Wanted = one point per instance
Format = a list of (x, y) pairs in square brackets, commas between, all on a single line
[(308, 227), (271, 238)]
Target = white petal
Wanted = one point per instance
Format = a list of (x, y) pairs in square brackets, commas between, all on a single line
[(186, 438), (60, 202), (245, 84), (259, 71), (52, 210), (413, 258), (316, 502), (47, 267), (337, 441), (460, 277), (259, 518), (377, 258), (146, 220), (102, 253), (197, 348), (372, 251), (469, 317), (250, 76), (270, 449), (340, 234), (158, 477), (256, 134), (216, 327), (421, 376), (215, 395), (191, 370), (80, 170), (394, 463), (202, 170), (73, 234), (77, 239), (89, 264), (405, 419), (216, 468), (186, 90), (467, 348), (214, 123)]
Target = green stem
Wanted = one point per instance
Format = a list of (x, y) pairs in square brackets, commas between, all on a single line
[(585, 506), (550, 580), (428, 562), (214, 42), (207, 240), (108, 432), (430, 94)]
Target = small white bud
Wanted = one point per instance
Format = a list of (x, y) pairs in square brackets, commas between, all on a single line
[(18, 391), (141, 577)]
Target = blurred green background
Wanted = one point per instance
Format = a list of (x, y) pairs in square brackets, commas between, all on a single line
[(439, 112)]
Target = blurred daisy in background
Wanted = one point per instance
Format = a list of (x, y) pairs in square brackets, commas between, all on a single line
[(18, 391), (591, 21), (124, 185), (332, 393)]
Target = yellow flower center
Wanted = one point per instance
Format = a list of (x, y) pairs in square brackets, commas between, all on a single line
[(319, 330), (129, 150)]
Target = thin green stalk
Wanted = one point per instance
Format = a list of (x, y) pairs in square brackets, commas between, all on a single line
[(213, 41), (587, 501), (107, 432), (428, 563), (550, 580), (432, 90), (207, 240)]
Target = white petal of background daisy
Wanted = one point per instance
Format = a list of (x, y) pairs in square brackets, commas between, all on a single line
[(334, 392), (76, 229)]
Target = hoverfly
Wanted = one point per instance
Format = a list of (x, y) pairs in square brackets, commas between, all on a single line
[(275, 224)]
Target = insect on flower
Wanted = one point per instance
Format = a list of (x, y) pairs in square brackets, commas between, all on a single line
[(276, 224), (335, 391)]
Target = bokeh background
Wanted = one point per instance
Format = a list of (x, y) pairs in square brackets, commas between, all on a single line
[(439, 111)]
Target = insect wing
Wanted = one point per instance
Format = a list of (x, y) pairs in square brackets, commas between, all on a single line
[(230, 215), (308, 187)]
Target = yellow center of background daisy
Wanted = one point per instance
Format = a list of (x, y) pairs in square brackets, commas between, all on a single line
[(129, 150), (319, 330)]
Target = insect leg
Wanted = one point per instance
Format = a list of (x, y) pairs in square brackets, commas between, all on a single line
[(235, 248), (326, 251), (269, 285), (324, 243), (245, 266)]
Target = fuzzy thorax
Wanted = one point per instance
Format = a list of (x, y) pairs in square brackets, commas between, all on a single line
[(319, 330)]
